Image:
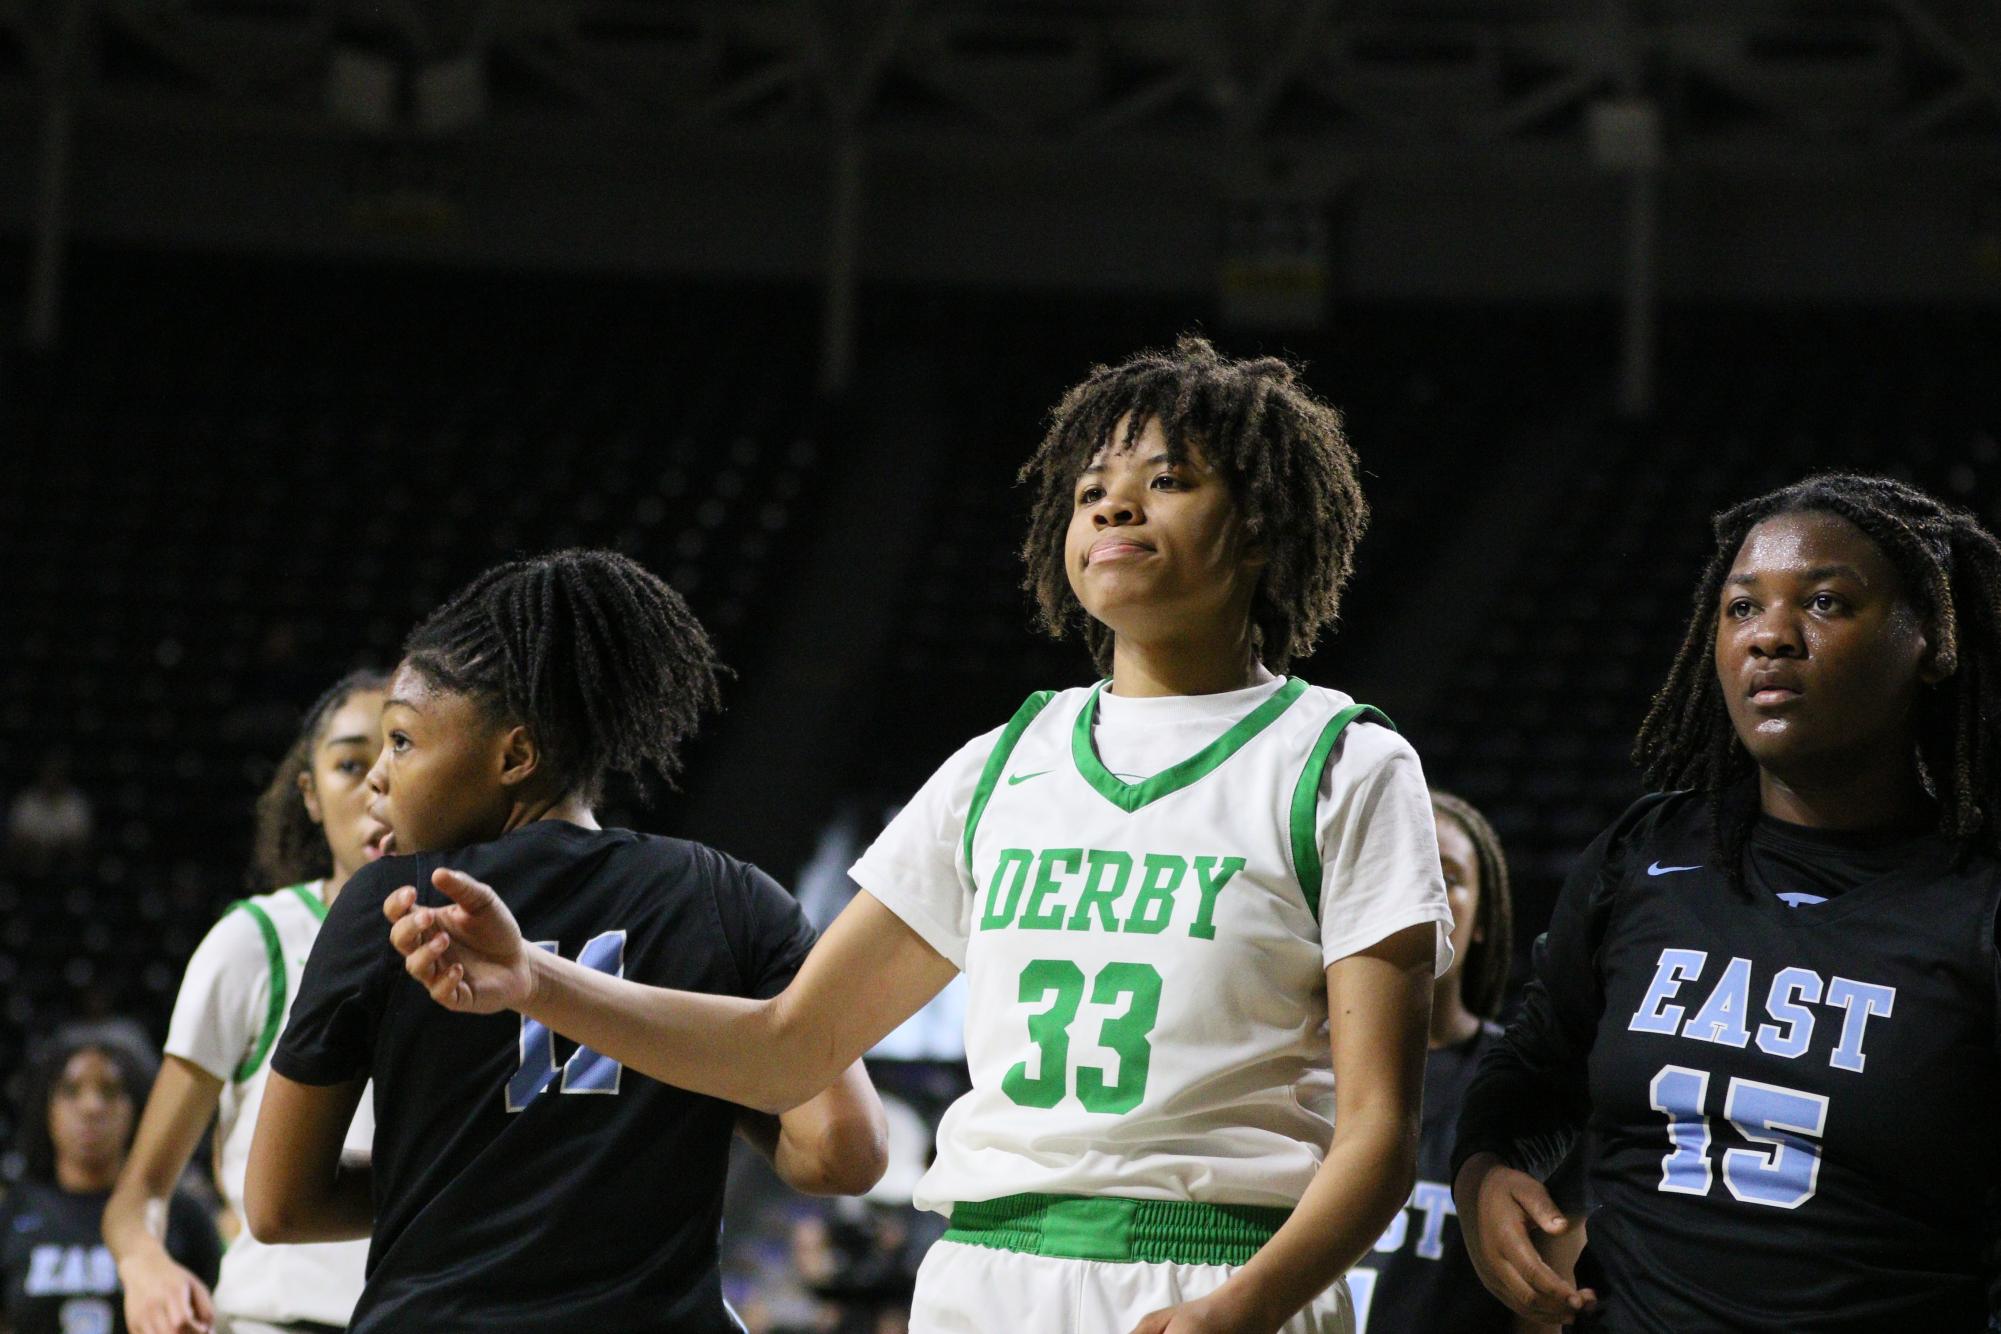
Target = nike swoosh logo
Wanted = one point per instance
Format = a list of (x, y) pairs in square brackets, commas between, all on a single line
[(1658, 869), (1012, 779)]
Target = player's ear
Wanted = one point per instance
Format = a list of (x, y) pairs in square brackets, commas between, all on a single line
[(309, 795), (520, 756)]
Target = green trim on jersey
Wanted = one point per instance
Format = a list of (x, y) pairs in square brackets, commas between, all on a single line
[(1117, 1230), (1129, 797), (274, 1009), (997, 761), (1306, 799), (314, 903)]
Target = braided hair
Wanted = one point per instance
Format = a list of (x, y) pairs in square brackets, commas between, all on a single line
[(599, 659), (1485, 971), (288, 847), (1282, 451), (1950, 565)]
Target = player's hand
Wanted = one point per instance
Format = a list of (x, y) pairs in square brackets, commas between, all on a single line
[(468, 954), (1213, 1314), (163, 1298), (1499, 1210)]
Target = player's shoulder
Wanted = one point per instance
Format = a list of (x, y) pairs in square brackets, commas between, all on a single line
[(1660, 829), (1368, 743), (239, 933), (1662, 822)]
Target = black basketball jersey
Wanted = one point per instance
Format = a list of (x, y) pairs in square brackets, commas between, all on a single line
[(1419, 1277), (57, 1275), (1792, 1097), (523, 1183)]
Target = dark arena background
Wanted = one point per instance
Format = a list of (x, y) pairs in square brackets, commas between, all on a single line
[(315, 308)]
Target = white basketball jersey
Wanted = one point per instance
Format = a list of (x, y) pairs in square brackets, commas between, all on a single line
[(234, 1001), (1146, 956)]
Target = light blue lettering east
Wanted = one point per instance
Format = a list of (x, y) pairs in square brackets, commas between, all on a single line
[(1722, 1017), (1858, 1002), (1435, 1198), (1655, 1015), (1783, 1003)]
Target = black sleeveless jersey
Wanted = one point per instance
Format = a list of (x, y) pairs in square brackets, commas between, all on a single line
[(1792, 1098), (1419, 1277), (523, 1183)]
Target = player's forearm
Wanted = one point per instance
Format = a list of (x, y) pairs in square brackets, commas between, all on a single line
[(135, 1218), (727, 1047), (1366, 1178)]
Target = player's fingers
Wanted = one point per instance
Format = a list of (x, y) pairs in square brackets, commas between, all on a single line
[(1518, 1253), (444, 987), (399, 903), (423, 964), (1533, 1199), (409, 932), (204, 1306), (462, 889)]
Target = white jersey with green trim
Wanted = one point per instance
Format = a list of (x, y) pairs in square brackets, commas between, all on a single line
[(1144, 895), (234, 1000)]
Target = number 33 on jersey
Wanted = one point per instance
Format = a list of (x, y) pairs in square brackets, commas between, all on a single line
[(1147, 956)]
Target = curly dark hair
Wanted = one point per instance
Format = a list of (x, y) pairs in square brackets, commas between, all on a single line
[(1951, 568), (137, 1064), (594, 654), (289, 848), (1485, 970), (1282, 451)]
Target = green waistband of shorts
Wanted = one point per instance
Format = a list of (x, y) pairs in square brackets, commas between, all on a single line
[(1108, 1227)]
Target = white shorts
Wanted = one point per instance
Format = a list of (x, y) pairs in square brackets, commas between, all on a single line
[(968, 1289)]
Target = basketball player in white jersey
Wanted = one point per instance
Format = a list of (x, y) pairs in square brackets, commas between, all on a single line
[(313, 829), (1198, 905)]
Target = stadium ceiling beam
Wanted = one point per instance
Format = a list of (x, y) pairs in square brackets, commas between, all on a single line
[(1979, 72), (1404, 78)]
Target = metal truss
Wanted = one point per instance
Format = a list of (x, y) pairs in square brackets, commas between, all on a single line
[(1394, 76)]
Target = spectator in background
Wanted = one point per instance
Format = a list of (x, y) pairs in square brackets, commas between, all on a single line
[(50, 824), (56, 1276)]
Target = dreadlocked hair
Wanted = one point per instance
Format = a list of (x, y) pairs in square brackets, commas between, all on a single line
[(1951, 566), (1485, 971), (594, 654), (1282, 451), (289, 848)]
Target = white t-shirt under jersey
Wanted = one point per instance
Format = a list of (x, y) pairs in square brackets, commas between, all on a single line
[(1148, 1009), (225, 1023)]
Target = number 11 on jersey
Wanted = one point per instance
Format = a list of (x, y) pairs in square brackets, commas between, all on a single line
[(586, 1071)]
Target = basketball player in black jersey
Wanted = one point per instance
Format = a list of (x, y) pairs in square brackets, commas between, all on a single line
[(1419, 1277), (1770, 996), (519, 1183)]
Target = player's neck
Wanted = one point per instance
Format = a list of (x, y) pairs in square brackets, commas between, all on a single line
[(86, 1178), (1451, 1022), (568, 807), (335, 882), (1196, 665), (1857, 796)]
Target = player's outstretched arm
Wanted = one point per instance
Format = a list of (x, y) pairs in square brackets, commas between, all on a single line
[(834, 1143), (868, 973), (298, 1187), (161, 1296)]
